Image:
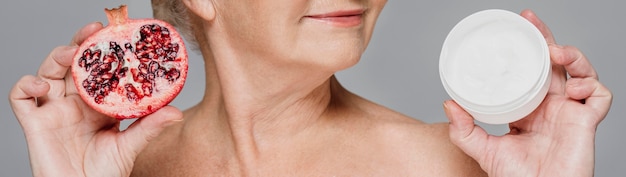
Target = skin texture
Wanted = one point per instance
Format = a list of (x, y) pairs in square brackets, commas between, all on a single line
[(273, 107)]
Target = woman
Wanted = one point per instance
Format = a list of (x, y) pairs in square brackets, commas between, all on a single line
[(272, 107)]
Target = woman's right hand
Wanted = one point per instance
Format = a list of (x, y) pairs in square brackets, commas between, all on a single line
[(65, 136)]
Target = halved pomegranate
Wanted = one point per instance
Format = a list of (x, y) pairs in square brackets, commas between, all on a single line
[(132, 67)]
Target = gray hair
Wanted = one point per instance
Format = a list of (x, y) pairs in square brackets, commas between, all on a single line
[(176, 13)]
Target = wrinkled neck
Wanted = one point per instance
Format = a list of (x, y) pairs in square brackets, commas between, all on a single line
[(255, 106), (260, 95)]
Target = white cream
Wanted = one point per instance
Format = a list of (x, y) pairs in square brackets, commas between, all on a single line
[(496, 65)]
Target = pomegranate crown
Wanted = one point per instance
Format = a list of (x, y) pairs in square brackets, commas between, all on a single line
[(117, 15)]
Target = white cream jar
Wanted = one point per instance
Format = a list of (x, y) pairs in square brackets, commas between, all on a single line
[(496, 65)]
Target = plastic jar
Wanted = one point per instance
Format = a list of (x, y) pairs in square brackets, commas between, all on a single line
[(496, 65)]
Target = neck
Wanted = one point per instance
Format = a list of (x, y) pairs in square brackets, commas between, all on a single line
[(259, 108)]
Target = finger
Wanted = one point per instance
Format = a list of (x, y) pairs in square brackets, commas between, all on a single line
[(559, 75), (596, 95), (558, 79), (464, 133), (543, 28), (55, 66), (137, 136), (58, 61), (574, 61), (23, 95), (85, 32)]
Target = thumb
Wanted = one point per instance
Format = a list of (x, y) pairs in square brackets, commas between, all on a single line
[(464, 133), (139, 134)]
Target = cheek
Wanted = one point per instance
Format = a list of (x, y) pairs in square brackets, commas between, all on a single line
[(372, 16), (263, 26)]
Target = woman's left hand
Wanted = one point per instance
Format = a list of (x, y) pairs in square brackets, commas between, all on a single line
[(557, 139)]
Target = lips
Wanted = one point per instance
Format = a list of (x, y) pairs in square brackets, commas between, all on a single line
[(344, 18)]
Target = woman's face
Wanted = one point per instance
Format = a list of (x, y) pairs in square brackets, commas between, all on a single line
[(328, 33)]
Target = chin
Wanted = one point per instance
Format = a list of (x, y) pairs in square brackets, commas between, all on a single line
[(347, 61), (346, 57), (332, 55), (334, 62)]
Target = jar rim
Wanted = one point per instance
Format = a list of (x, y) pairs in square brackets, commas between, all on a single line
[(518, 107)]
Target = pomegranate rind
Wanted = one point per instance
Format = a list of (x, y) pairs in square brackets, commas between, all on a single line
[(116, 104)]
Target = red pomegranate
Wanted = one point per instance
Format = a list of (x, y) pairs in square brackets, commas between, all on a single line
[(132, 67)]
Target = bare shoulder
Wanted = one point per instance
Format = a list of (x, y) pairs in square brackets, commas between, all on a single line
[(431, 146), (426, 147)]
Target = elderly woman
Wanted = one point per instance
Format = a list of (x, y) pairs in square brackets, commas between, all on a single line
[(272, 107)]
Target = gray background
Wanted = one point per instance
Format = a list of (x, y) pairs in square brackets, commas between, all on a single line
[(399, 70)]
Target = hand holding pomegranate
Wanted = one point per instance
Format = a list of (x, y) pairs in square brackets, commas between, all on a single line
[(65, 136)]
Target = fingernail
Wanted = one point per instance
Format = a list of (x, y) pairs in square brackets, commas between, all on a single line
[(39, 81), (555, 46), (445, 106), (100, 24), (172, 122), (446, 110)]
